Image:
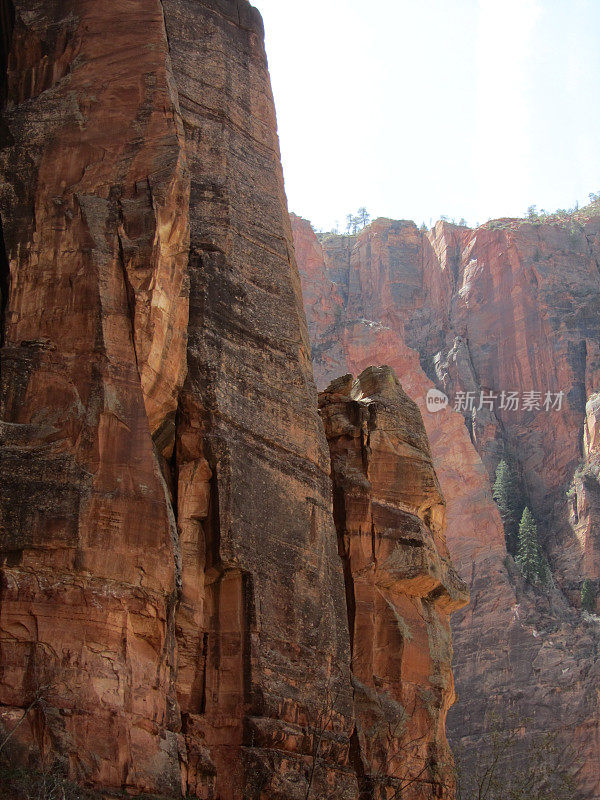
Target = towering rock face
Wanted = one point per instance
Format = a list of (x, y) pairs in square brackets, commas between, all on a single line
[(94, 200), (262, 616), (400, 585), (172, 598), (511, 307), (173, 616)]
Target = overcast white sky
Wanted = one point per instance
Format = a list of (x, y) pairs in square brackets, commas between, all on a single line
[(471, 108)]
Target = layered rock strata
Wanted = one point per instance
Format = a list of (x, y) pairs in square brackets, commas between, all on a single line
[(170, 578), (173, 617), (513, 307), (400, 585)]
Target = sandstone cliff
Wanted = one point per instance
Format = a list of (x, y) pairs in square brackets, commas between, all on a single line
[(510, 306), (400, 585), (173, 616), (170, 574)]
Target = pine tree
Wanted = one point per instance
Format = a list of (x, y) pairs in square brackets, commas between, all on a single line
[(588, 596), (352, 224), (530, 556), (363, 216), (508, 499)]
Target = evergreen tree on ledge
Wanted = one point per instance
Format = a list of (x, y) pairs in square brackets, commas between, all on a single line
[(588, 596), (530, 557), (508, 499)]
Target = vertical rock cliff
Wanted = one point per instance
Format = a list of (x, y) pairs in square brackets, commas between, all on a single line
[(173, 616), (94, 206), (400, 585), (511, 306), (170, 577)]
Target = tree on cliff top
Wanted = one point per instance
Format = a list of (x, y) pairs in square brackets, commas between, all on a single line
[(508, 499), (354, 223), (363, 217), (530, 556), (588, 596)]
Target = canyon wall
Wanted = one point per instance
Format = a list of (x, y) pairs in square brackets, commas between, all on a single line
[(400, 585), (173, 616), (512, 306), (170, 579)]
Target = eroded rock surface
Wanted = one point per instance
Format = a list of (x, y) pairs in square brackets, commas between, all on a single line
[(173, 608), (511, 306), (400, 585), (172, 596), (94, 200)]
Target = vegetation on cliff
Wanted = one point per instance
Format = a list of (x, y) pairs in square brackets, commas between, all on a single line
[(508, 498), (530, 556), (588, 596)]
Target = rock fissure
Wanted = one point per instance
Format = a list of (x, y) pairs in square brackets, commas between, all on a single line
[(130, 299), (4, 288), (7, 23), (165, 25), (7, 20)]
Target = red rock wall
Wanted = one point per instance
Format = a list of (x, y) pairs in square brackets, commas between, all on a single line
[(173, 616), (262, 591), (400, 585), (171, 588), (510, 306), (94, 200)]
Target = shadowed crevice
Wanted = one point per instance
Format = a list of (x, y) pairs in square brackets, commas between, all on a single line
[(339, 518), (4, 287), (7, 24)]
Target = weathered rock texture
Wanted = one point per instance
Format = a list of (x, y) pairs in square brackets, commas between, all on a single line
[(400, 586), (173, 616), (511, 306), (170, 577)]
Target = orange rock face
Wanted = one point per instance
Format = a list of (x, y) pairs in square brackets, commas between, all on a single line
[(400, 585), (94, 210), (173, 609), (171, 587), (512, 306)]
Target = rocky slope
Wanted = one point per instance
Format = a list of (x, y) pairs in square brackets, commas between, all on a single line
[(511, 306), (172, 613)]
